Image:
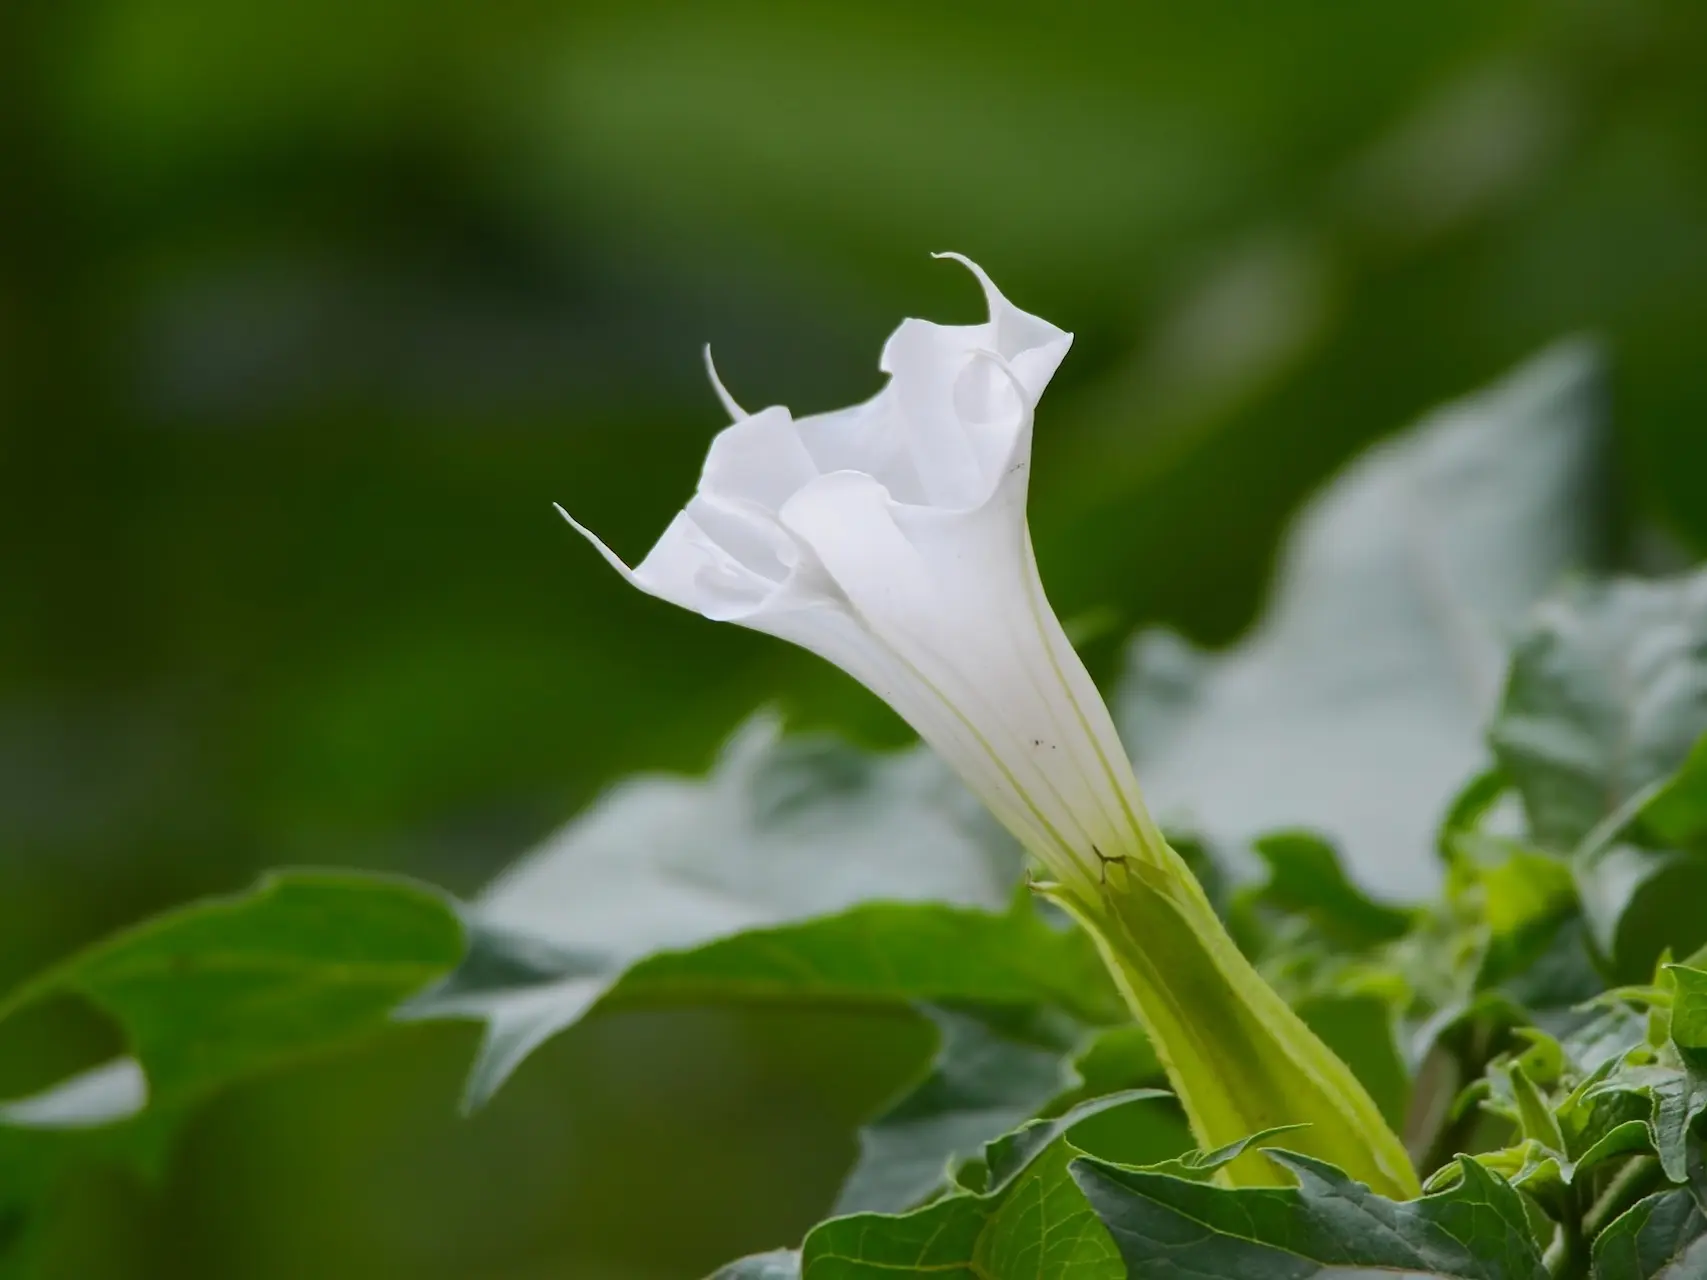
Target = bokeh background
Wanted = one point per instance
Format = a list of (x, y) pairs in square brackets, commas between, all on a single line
[(308, 311)]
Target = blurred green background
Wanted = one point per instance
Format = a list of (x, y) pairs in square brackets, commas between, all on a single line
[(309, 311)]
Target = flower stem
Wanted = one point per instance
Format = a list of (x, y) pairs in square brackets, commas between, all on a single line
[(1238, 1057)]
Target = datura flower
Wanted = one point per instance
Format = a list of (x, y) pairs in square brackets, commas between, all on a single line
[(891, 539)]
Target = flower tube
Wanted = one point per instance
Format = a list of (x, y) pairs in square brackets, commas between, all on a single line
[(890, 538)]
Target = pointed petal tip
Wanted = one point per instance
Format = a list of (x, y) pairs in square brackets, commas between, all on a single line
[(611, 558), (734, 410), (951, 256), (994, 298)]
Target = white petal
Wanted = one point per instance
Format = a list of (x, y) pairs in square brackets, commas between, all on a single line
[(689, 568), (890, 539), (760, 459), (611, 558), (735, 411), (833, 633), (1031, 344), (954, 597)]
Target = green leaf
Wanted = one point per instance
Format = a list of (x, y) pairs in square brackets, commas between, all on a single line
[(1677, 812), (222, 988), (1679, 1098), (1526, 900), (879, 953), (1170, 1229), (1663, 1237), (1640, 902), (1031, 1223), (1689, 1011), (1356, 707), (1012, 1153), (1200, 1166), (1305, 878), (988, 1076), (1535, 1117), (1607, 694), (779, 831), (217, 991), (1119, 1057), (1679, 1091), (884, 952), (995, 1068)]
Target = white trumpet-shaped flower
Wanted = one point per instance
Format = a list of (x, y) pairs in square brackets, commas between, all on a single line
[(891, 539)]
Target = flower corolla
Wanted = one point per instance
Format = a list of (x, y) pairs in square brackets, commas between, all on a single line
[(891, 539)]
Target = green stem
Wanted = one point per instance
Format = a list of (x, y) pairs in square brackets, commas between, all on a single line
[(1636, 1179), (1571, 1253), (1239, 1058), (1568, 1256)]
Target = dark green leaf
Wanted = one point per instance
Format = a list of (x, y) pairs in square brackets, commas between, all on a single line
[(1361, 1030), (1680, 1095), (1032, 1223), (1663, 1237), (1305, 877), (1679, 1098), (1170, 1229), (989, 1075), (1012, 1153), (1689, 1011), (1356, 706), (1677, 812), (1639, 902), (1119, 1057), (1607, 694), (1200, 1166)]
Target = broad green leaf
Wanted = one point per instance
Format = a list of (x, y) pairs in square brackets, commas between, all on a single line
[(1171, 1229), (889, 952), (216, 991), (1356, 707), (879, 953), (1031, 1223), (228, 986), (939, 1240), (779, 831), (1663, 1237), (1607, 694)]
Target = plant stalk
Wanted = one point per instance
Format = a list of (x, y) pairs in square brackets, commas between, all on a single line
[(1240, 1060)]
